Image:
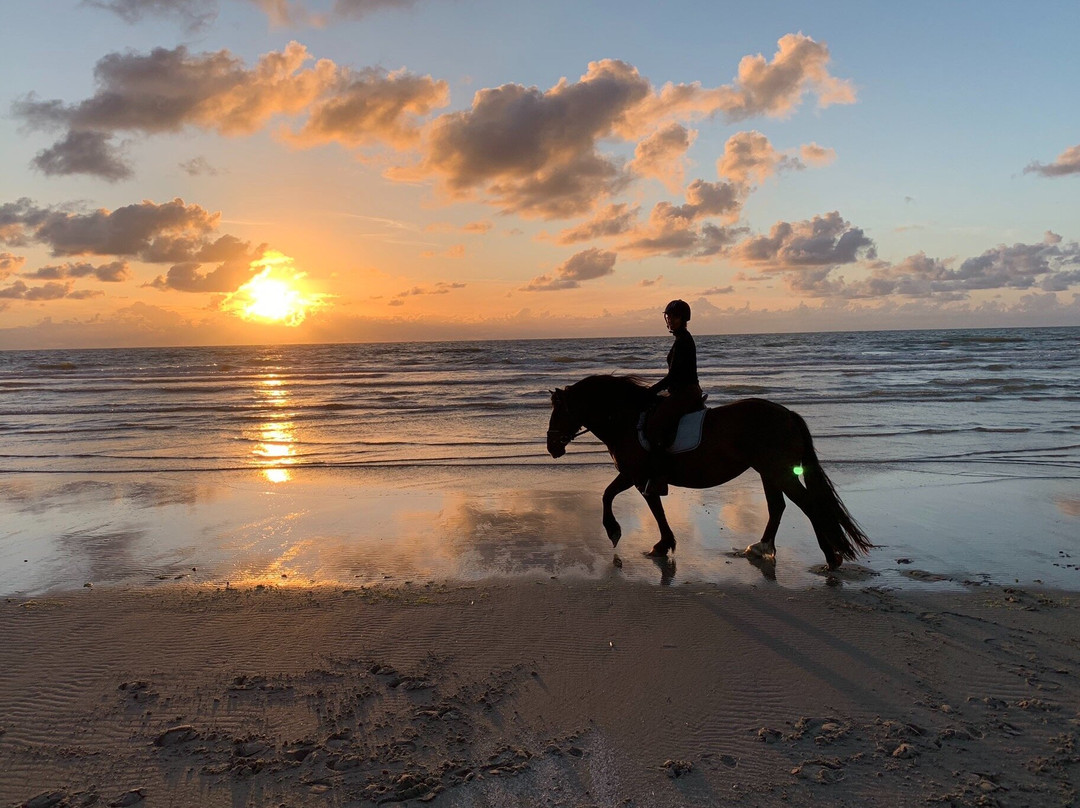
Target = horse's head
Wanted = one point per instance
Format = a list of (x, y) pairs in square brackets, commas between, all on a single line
[(564, 424)]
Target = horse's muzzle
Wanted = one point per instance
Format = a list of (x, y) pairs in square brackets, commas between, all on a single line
[(556, 444)]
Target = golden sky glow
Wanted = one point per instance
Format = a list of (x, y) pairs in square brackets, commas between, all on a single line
[(209, 172)]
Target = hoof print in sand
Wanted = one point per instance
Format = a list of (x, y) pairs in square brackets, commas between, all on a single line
[(677, 768)]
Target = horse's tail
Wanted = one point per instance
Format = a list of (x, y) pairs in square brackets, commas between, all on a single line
[(838, 527)]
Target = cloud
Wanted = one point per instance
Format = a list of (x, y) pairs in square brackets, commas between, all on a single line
[(114, 272), (536, 153), (815, 155), (372, 106), (481, 226), (151, 232), (198, 167), (170, 233), (823, 241), (195, 14), (583, 266), (10, 263), (1068, 162), (354, 9), (441, 288), (234, 259), (1049, 266), (288, 13), (49, 291), (761, 88), (168, 90), (612, 220), (651, 281), (660, 155), (775, 88), (718, 290), (83, 153), (677, 231), (749, 158)]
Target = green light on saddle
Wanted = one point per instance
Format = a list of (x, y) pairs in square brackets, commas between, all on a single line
[(798, 471)]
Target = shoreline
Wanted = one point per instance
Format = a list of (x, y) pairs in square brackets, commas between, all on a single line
[(540, 692)]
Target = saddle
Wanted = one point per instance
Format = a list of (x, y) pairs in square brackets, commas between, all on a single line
[(688, 435)]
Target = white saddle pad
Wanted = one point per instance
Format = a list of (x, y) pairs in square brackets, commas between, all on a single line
[(687, 438)]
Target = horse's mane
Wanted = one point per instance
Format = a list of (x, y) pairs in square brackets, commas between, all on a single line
[(611, 391)]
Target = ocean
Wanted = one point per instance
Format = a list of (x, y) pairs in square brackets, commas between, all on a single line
[(160, 457)]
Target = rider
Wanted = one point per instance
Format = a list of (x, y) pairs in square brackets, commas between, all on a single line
[(683, 395)]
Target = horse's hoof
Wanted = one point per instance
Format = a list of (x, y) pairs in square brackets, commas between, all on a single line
[(660, 549), (614, 533), (757, 551)]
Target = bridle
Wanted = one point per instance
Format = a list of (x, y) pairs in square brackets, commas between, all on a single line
[(563, 438)]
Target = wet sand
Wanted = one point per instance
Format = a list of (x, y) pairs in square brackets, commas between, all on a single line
[(540, 692), (933, 529)]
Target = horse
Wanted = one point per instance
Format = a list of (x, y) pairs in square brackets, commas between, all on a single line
[(750, 433)]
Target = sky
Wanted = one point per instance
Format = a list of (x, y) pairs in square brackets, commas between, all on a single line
[(207, 172)]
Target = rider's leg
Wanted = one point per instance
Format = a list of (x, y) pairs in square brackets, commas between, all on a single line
[(660, 431)]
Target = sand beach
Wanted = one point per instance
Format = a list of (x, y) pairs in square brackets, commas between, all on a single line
[(540, 691)]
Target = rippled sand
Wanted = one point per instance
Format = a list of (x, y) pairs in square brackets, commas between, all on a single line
[(542, 692)]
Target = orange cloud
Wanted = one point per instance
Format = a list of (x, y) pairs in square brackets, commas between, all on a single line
[(535, 153), (168, 90), (677, 231), (114, 272), (761, 88), (749, 157), (1068, 162), (660, 155), (583, 266), (482, 226), (10, 263), (815, 155), (612, 220)]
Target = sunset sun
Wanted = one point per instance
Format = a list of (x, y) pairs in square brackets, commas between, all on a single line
[(275, 295)]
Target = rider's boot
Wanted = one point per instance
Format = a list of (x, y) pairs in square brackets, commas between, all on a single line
[(658, 463)]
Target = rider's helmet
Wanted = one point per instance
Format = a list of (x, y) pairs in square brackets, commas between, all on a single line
[(678, 308)]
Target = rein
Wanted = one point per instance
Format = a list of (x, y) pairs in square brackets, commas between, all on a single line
[(563, 437)]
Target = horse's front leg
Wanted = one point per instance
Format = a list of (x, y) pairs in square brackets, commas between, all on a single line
[(611, 524), (667, 538)]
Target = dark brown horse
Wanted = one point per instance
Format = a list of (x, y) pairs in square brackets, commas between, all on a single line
[(752, 433)]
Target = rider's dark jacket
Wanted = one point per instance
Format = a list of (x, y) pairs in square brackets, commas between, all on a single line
[(684, 391), (682, 365)]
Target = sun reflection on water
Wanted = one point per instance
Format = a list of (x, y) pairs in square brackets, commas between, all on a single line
[(276, 449)]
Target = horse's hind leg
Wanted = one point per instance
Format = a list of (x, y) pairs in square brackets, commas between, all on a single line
[(667, 537), (774, 496), (801, 497)]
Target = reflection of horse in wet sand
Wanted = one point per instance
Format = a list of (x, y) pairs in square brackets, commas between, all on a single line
[(752, 433)]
